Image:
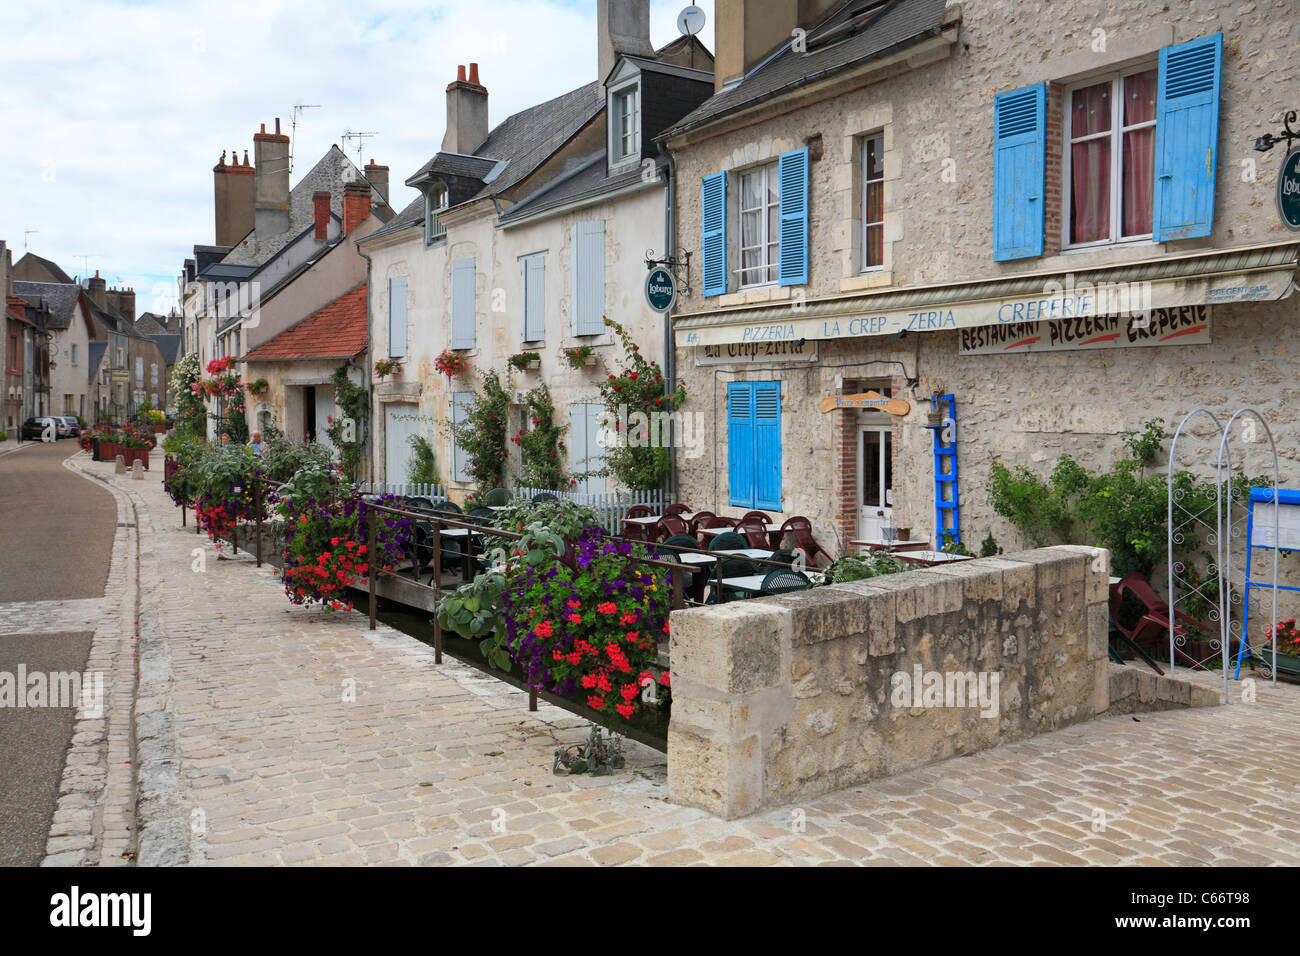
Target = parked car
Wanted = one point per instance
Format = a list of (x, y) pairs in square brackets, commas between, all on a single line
[(61, 429), (34, 429), (74, 426)]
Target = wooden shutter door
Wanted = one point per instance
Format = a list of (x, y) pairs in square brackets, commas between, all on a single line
[(1019, 171)]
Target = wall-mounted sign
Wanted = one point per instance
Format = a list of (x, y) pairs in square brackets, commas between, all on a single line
[(1288, 190), (121, 375), (733, 353), (660, 290), (881, 403), (1185, 325)]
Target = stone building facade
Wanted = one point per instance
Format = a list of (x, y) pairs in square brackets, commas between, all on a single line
[(903, 140)]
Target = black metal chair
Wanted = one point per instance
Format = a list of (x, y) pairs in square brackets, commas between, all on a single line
[(447, 507), (681, 541), (483, 512), (785, 556), (497, 497), (728, 541), (544, 496), (782, 580)]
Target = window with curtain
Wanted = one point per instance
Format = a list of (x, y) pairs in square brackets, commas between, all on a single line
[(873, 202), (760, 225), (1110, 160)]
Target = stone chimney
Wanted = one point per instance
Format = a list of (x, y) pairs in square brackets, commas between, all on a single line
[(378, 176), (467, 112), (97, 289), (622, 26), (271, 182), (746, 32), (320, 202), (126, 303), (356, 204), (233, 198)]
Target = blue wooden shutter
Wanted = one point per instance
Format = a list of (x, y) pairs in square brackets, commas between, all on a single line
[(462, 304), (1019, 171), (767, 445), (793, 178), (588, 278), (535, 297), (1187, 139), (713, 216), (740, 444), (397, 316)]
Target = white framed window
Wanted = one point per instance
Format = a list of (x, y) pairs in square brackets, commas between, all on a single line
[(139, 370), (873, 203), (435, 201), (760, 225), (74, 353), (1109, 168), (627, 123), (153, 373)]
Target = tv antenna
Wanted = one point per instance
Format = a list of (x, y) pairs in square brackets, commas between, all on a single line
[(293, 128), (690, 22), (26, 233), (360, 137), (85, 263)]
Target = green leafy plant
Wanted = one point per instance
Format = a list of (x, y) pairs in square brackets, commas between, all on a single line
[(347, 431), (423, 466), (540, 442), (856, 567), (952, 546), (386, 367), (635, 396), (989, 546), (597, 757), (577, 357), (520, 360), (482, 433)]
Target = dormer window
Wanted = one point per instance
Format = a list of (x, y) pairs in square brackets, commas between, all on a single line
[(435, 201), (623, 114)]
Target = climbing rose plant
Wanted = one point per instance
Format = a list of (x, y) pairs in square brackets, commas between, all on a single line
[(637, 388)]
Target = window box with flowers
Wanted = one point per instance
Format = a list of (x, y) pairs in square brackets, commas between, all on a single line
[(525, 361), (258, 387), (450, 364), (387, 367), (580, 356)]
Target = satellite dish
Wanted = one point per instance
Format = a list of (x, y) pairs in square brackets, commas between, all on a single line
[(690, 21)]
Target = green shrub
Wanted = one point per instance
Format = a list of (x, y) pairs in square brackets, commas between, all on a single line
[(423, 466), (482, 433)]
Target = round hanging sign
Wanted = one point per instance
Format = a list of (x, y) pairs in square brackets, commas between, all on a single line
[(1288, 190), (660, 290)]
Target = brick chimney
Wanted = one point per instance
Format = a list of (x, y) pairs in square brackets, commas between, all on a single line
[(320, 201), (356, 204), (126, 303), (97, 289), (467, 112), (271, 182), (378, 176), (233, 198), (622, 26)]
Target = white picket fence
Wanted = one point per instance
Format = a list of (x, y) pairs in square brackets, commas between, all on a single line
[(434, 493), (611, 507)]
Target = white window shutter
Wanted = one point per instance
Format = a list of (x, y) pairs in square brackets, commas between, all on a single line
[(462, 304), (578, 441), (595, 451), (397, 316), (588, 306), (459, 407)]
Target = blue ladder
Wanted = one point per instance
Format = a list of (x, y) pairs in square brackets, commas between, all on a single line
[(947, 512)]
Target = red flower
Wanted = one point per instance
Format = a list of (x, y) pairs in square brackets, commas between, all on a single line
[(625, 710)]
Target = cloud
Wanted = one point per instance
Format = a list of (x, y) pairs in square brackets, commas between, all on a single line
[(113, 114)]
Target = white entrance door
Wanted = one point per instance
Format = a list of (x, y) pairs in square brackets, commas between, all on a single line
[(401, 422), (326, 412), (875, 480)]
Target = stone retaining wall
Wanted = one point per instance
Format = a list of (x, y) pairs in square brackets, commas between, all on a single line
[(780, 699)]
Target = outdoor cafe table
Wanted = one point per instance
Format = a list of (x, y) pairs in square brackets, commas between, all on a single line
[(930, 558), (753, 583), (691, 557), (880, 544)]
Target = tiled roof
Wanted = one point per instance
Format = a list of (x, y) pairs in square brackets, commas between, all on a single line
[(16, 306), (59, 297), (880, 28), (337, 330), (95, 349)]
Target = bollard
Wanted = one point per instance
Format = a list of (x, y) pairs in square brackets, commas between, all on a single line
[(257, 505), (137, 470), (436, 581), (119, 465)]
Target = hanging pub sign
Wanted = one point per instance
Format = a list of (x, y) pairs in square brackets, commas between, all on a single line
[(660, 289), (1183, 325), (1288, 190)]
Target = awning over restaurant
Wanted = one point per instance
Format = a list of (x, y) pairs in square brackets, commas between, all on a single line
[(1214, 277)]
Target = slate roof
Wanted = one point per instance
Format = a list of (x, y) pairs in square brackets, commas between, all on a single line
[(95, 354), (169, 344), (337, 330), (51, 267), (327, 174), (59, 297), (147, 324), (411, 215), (590, 181), (880, 29)]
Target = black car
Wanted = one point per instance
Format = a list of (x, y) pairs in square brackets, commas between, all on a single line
[(34, 429)]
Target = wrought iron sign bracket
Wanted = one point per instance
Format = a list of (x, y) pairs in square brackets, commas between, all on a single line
[(1266, 142), (678, 265)]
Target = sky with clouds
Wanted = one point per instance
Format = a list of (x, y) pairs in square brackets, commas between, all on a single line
[(112, 114)]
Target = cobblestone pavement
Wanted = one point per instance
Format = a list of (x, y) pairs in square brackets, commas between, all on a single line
[(270, 763)]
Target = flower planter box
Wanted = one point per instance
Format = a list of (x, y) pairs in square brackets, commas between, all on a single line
[(109, 450), (534, 364), (131, 455), (159, 429), (1287, 665), (589, 361)]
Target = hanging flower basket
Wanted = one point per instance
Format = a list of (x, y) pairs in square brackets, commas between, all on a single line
[(388, 366)]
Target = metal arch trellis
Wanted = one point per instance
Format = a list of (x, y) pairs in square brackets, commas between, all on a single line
[(1220, 536), (1225, 576)]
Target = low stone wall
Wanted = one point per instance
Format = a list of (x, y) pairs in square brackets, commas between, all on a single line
[(1137, 690), (783, 698)]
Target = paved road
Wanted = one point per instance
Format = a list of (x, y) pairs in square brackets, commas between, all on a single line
[(56, 539)]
